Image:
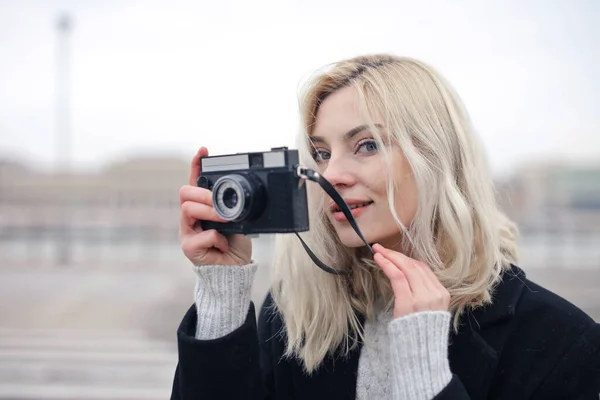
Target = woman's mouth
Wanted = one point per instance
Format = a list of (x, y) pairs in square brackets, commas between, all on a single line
[(355, 209)]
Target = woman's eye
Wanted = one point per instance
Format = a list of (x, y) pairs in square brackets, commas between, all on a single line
[(321, 155), (367, 146)]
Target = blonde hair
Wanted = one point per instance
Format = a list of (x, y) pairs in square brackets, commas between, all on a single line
[(458, 229)]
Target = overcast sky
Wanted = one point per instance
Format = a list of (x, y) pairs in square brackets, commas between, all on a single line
[(156, 77)]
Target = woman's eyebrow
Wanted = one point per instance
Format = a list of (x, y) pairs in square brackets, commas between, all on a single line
[(348, 136)]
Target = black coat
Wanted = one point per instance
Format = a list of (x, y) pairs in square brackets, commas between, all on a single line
[(529, 344)]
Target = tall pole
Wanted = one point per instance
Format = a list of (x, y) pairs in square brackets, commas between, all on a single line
[(63, 136)]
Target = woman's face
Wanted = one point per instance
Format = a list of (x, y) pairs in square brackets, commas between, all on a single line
[(349, 159)]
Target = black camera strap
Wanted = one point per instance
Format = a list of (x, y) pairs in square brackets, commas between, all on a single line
[(309, 174)]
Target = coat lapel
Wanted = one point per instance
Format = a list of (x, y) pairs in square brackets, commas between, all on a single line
[(473, 360), (334, 380), (475, 349)]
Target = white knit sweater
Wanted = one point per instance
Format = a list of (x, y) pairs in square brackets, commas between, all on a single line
[(404, 358)]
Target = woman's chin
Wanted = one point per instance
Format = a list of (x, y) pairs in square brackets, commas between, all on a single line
[(351, 239), (353, 243)]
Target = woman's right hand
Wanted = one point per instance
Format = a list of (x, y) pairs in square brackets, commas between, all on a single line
[(207, 247)]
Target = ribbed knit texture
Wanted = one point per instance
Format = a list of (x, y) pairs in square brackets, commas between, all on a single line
[(374, 380), (419, 352), (222, 298), (405, 359)]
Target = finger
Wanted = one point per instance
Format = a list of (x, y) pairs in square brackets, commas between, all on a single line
[(192, 212), (400, 284), (426, 277), (188, 225), (385, 252), (405, 264), (432, 277), (195, 194), (442, 293), (195, 167), (438, 297), (205, 240), (199, 211)]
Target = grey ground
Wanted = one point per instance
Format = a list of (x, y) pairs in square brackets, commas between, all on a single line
[(105, 332)]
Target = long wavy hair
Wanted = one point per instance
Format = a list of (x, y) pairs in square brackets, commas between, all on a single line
[(458, 229)]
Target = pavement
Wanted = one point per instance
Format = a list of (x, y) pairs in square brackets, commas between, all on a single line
[(106, 332), (82, 364)]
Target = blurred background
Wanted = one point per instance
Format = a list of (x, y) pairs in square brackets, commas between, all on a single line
[(103, 104)]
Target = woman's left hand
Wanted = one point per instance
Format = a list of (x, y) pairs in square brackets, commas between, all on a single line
[(415, 286)]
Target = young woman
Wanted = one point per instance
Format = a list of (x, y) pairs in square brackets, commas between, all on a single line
[(439, 312)]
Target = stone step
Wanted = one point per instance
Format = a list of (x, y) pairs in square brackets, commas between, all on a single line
[(70, 364)]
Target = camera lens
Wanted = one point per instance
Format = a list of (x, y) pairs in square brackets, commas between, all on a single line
[(238, 197), (230, 198)]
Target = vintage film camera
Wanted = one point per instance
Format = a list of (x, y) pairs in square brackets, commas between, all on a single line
[(256, 192)]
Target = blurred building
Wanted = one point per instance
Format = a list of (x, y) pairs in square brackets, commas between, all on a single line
[(554, 198), (106, 327), (128, 213), (129, 201), (557, 208)]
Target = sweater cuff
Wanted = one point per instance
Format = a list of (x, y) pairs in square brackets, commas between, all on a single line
[(419, 350), (222, 298)]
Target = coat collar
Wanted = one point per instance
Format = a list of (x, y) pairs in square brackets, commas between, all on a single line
[(504, 300), (473, 351), (334, 380)]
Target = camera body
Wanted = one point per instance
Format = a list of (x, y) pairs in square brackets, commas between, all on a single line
[(256, 192)]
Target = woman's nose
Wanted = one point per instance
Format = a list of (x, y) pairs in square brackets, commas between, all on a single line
[(338, 173)]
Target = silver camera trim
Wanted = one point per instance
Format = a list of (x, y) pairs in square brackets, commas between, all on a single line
[(231, 181), (271, 159)]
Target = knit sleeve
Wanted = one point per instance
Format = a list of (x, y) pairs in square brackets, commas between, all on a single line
[(419, 354), (222, 298)]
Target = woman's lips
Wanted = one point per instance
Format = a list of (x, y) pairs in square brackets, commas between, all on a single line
[(340, 217)]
